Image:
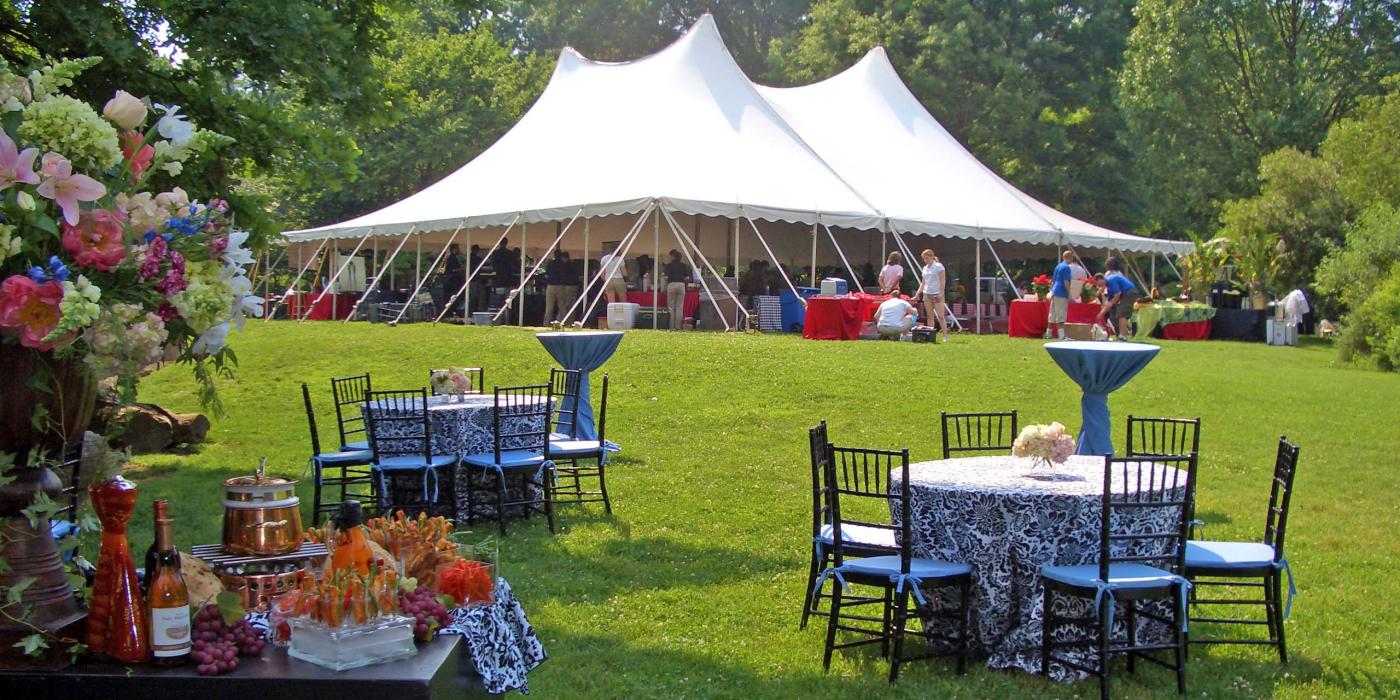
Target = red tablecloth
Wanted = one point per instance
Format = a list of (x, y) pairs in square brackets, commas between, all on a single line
[(839, 318), (1027, 319), (296, 306), (1190, 330), (692, 300)]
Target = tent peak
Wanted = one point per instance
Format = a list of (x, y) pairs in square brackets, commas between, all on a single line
[(703, 30)]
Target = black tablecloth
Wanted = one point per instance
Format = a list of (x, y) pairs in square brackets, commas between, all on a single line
[(1238, 324)]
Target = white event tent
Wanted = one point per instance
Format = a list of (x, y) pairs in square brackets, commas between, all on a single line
[(685, 132)]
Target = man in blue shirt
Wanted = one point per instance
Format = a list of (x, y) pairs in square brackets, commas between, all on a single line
[(1059, 296), (1121, 295)]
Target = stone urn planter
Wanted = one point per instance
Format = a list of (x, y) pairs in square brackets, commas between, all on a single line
[(29, 549)]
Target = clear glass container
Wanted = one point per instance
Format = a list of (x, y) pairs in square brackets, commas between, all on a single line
[(377, 641)]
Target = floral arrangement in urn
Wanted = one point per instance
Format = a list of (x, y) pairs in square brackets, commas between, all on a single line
[(1089, 291), (94, 266), (1046, 445), (1041, 285)]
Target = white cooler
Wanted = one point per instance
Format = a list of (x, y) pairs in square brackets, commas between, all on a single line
[(622, 316)]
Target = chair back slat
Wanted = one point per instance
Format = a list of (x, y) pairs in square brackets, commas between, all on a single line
[(69, 470), (859, 477), (564, 386), (521, 418), (978, 432), (1146, 505), (1163, 436), (1280, 495), (349, 393), (311, 420), (603, 411), (398, 423), (475, 376), (816, 444)]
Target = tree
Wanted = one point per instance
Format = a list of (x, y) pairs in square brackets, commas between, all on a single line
[(231, 66), (1210, 86), (1027, 86)]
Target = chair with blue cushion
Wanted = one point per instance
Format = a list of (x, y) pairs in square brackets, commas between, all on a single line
[(978, 433), (859, 496), (859, 541), (1163, 436), (476, 379), (345, 469), (564, 387), (349, 393), (577, 459), (520, 427), (1242, 565), (1142, 536), (409, 476)]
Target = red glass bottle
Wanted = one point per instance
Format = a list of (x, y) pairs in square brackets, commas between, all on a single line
[(116, 623)]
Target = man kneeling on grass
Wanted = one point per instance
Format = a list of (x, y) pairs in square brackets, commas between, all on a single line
[(895, 317)]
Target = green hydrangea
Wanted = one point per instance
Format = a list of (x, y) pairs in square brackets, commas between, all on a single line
[(78, 307), (72, 129), (10, 244), (208, 299)]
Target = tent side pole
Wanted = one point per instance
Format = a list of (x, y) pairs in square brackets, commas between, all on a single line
[(736, 252), (855, 281), (883, 254), (655, 267), (621, 253), (977, 283), (470, 277), (519, 292), (675, 228), (811, 282), (905, 250), (587, 309), (295, 280), (1172, 266), (467, 300), (524, 232), (708, 266), (584, 276), (267, 272), (1154, 272), (775, 260), (336, 276), (375, 283)]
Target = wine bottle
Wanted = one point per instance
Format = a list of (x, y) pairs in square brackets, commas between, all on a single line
[(168, 600), (161, 508)]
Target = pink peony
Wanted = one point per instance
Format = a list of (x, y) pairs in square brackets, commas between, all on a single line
[(31, 310), (95, 240)]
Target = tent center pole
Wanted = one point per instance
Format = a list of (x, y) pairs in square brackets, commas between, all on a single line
[(977, 283), (655, 267)]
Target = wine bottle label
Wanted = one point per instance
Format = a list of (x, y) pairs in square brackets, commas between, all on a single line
[(170, 631)]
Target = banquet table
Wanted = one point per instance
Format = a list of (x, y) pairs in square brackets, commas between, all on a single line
[(331, 306), (691, 303), (584, 351), (464, 426), (1029, 319), (1000, 517), (1166, 313), (1099, 368), (839, 317)]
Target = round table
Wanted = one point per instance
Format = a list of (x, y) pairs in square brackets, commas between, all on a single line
[(463, 426), (992, 514), (1099, 368)]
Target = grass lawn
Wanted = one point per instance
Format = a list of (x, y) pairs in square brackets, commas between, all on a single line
[(692, 588)]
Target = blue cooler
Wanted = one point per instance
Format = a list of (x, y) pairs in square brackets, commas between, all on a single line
[(794, 313), (834, 286)]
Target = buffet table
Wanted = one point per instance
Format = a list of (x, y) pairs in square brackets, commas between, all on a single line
[(691, 303), (1189, 321), (1029, 319), (991, 513), (839, 317), (330, 307)]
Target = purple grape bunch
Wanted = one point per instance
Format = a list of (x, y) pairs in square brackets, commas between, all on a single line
[(217, 645), (425, 609)]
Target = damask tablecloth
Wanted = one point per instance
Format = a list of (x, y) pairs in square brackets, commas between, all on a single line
[(463, 426), (988, 512), (500, 640)]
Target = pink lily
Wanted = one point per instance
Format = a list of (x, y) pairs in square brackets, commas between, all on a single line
[(66, 188), (16, 165)]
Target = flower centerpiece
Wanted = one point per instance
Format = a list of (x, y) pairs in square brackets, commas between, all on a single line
[(1041, 285), (100, 273), (450, 382), (1045, 445)]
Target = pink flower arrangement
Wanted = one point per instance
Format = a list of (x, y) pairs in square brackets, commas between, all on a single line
[(95, 240), (1048, 445), (30, 309)]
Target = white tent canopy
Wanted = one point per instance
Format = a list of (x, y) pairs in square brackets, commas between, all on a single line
[(686, 129)]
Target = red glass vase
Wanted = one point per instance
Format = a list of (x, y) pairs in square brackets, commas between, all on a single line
[(116, 624)]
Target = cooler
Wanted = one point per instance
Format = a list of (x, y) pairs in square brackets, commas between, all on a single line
[(833, 286), (645, 314), (793, 312), (622, 316)]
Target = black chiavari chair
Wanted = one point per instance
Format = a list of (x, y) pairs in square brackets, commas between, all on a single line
[(985, 433), (349, 394), (346, 470), (520, 425), (401, 443)]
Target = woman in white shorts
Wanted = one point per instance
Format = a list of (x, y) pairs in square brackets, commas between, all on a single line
[(931, 288)]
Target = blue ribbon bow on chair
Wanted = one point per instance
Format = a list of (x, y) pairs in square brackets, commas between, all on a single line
[(1102, 588)]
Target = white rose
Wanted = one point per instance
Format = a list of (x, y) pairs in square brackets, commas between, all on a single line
[(125, 110)]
